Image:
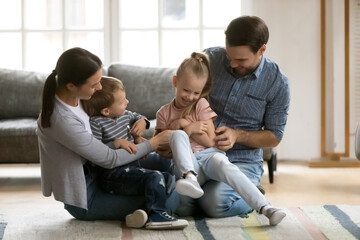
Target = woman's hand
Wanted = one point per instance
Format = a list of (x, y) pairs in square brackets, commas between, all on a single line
[(166, 152), (138, 140), (161, 140), (125, 144)]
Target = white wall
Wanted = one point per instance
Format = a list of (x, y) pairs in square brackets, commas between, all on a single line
[(295, 45)]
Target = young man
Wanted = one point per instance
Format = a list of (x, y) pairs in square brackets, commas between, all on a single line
[(251, 97)]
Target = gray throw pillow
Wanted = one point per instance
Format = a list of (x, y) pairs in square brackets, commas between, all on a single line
[(20, 93), (147, 88)]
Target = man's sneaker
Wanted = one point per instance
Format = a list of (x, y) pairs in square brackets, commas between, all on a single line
[(189, 187), (137, 219), (162, 220)]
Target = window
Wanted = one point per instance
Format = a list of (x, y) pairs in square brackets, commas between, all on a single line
[(33, 33)]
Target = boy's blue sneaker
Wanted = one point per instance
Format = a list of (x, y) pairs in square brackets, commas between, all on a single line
[(162, 220)]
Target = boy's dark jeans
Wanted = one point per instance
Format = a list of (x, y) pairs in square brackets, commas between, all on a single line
[(133, 180)]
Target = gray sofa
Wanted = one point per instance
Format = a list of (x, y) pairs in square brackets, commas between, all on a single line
[(147, 89)]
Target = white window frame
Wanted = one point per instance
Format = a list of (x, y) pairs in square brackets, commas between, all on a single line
[(115, 55), (110, 30)]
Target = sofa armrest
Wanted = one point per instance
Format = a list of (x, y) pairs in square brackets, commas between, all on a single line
[(357, 142), (151, 131), (268, 152)]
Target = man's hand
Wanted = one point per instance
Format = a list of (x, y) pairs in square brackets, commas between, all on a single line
[(125, 144), (139, 127), (226, 138)]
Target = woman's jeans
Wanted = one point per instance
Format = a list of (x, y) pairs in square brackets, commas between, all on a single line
[(134, 180), (229, 188), (106, 206)]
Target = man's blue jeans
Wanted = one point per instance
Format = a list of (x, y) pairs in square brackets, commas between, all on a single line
[(219, 199)]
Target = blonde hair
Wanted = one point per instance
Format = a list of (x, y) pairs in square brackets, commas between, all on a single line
[(199, 64), (102, 98)]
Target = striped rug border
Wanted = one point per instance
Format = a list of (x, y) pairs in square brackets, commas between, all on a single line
[(308, 222), (253, 227), (126, 232), (308, 225), (203, 228), (327, 220), (301, 223), (303, 220), (344, 220), (2, 229)]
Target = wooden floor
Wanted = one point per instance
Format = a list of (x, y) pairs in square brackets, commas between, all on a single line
[(295, 184)]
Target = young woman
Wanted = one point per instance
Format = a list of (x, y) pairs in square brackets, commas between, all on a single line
[(68, 150), (191, 112)]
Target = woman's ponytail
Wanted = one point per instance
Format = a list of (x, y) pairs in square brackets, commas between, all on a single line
[(48, 99), (74, 66)]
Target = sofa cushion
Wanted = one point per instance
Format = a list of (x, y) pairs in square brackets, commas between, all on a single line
[(18, 141), (20, 93), (147, 88)]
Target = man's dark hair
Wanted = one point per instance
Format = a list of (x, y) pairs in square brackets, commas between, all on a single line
[(247, 31)]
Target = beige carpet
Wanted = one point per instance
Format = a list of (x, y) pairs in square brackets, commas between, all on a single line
[(311, 222)]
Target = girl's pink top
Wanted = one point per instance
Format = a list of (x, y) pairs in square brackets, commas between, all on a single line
[(168, 113)]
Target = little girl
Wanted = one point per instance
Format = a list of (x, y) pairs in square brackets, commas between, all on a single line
[(201, 161)]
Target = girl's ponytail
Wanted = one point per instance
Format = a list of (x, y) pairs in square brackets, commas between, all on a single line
[(199, 64)]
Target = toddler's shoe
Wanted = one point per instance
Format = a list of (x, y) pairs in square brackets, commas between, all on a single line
[(137, 219), (162, 220), (275, 215), (189, 187)]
